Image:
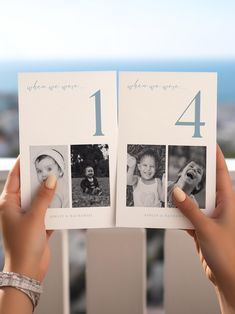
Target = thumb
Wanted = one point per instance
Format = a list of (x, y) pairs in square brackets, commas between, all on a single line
[(190, 209), (43, 197)]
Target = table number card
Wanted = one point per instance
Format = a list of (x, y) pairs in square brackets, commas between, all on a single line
[(167, 137), (68, 127)]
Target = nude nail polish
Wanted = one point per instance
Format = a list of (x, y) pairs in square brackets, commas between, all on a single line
[(50, 182), (179, 194)]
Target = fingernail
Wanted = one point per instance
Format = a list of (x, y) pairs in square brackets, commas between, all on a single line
[(50, 182), (179, 194)]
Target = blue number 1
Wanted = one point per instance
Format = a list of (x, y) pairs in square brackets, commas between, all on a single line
[(98, 131), (197, 116)]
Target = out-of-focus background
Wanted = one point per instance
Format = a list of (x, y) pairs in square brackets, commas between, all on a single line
[(150, 35), (225, 67), (116, 35)]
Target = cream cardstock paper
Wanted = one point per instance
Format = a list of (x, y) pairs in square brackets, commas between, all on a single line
[(172, 114), (57, 110), (150, 104)]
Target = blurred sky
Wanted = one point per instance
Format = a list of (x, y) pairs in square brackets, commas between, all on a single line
[(57, 29)]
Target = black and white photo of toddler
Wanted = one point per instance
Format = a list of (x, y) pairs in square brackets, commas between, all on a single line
[(90, 175), (145, 175)]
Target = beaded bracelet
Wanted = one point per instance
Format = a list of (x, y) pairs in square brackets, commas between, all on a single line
[(31, 287)]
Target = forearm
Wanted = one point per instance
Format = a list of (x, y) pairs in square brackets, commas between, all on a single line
[(14, 301), (25, 243)]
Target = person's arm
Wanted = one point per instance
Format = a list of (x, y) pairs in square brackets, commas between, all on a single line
[(14, 301), (215, 236), (25, 239), (131, 163)]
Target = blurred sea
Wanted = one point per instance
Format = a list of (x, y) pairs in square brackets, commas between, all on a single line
[(10, 69), (224, 68)]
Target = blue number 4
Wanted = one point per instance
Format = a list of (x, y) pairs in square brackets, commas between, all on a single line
[(197, 116)]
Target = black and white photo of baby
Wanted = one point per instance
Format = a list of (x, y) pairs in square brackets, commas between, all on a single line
[(90, 175), (46, 161)]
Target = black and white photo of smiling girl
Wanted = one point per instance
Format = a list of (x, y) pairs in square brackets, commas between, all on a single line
[(187, 170)]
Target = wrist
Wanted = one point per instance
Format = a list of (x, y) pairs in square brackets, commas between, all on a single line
[(26, 285), (28, 270), (13, 300)]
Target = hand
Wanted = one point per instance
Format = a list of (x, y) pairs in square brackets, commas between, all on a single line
[(24, 236), (215, 236), (131, 161)]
